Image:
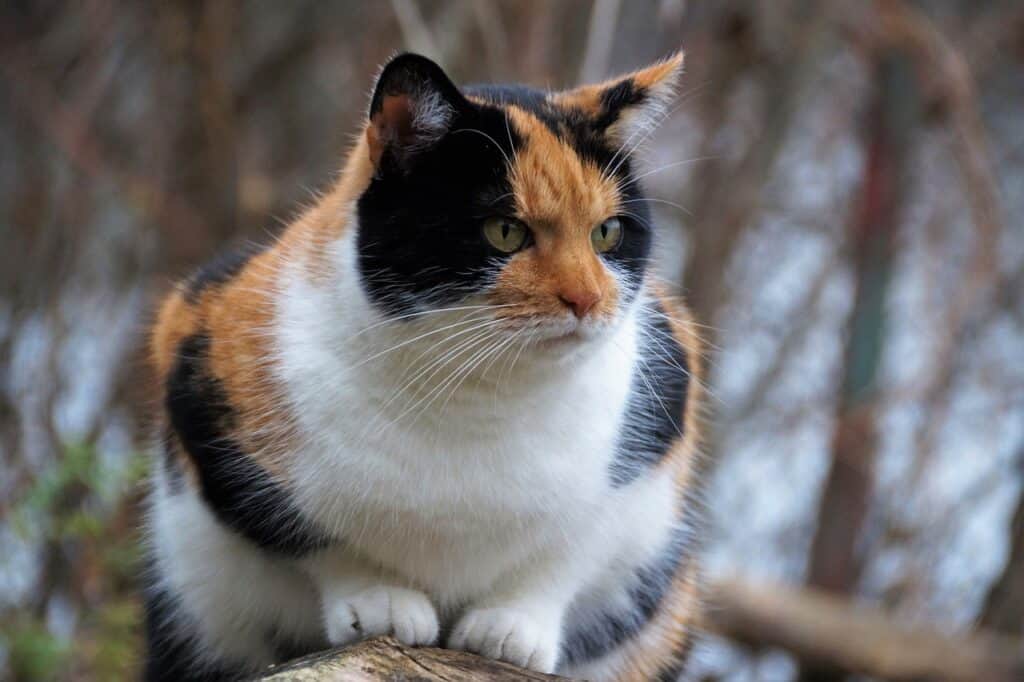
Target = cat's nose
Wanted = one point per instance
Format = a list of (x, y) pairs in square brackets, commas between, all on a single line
[(580, 300)]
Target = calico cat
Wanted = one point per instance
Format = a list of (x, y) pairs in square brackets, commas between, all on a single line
[(447, 404)]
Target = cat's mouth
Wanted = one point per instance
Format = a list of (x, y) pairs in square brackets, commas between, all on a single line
[(566, 334), (567, 338), (556, 331)]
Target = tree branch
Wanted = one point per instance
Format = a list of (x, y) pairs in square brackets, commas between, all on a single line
[(826, 631), (830, 632), (387, 659)]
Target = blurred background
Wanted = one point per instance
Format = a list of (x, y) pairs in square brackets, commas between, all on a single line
[(840, 192)]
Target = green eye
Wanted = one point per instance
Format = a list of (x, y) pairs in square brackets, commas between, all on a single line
[(505, 234), (607, 235)]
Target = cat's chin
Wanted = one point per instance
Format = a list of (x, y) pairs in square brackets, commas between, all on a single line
[(573, 338), (565, 339)]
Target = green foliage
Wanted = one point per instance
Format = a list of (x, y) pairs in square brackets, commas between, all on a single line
[(34, 653), (86, 515)]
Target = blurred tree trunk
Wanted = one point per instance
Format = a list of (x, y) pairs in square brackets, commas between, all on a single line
[(194, 42), (1003, 610), (726, 196), (835, 558)]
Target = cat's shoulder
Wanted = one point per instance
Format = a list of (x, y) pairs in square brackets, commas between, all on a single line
[(217, 300)]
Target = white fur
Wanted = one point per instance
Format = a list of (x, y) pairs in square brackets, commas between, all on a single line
[(489, 507), (380, 610), (231, 590)]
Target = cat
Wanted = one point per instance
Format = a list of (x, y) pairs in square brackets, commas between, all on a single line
[(447, 404)]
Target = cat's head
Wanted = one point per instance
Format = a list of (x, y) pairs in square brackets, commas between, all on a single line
[(508, 196)]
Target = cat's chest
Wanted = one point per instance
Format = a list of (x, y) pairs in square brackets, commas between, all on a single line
[(458, 506), (471, 460), (474, 461), (469, 464)]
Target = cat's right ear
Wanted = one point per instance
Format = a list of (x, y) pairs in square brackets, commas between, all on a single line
[(413, 106)]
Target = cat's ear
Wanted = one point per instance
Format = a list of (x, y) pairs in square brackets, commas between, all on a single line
[(625, 108), (413, 106)]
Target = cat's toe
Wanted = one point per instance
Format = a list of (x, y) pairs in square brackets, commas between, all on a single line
[(413, 618), (341, 622), (508, 635), (382, 610)]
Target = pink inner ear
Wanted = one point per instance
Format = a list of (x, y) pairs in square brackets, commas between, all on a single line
[(396, 115), (392, 124)]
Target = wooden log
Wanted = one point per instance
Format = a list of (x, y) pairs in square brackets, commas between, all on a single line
[(813, 626), (385, 658)]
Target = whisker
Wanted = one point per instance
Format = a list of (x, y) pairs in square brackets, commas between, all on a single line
[(422, 313), (417, 338), (637, 178), (435, 392), (658, 201), (438, 364)]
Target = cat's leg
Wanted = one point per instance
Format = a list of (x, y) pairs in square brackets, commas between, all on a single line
[(521, 622), (526, 618), (653, 647), (359, 601), (215, 601)]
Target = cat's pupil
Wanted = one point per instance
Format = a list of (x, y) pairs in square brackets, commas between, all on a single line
[(504, 230), (604, 231)]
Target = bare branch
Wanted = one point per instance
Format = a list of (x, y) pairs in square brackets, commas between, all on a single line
[(828, 631)]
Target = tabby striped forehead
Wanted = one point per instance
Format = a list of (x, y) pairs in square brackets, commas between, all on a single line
[(447, 159)]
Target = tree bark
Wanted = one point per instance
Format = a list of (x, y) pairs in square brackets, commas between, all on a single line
[(836, 553), (1004, 605), (385, 658), (824, 631)]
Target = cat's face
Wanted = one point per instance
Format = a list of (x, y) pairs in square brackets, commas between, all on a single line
[(508, 196)]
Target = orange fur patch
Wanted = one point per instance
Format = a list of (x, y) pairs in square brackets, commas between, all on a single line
[(683, 456), (239, 322), (237, 317), (587, 98), (667, 637), (175, 321), (561, 198)]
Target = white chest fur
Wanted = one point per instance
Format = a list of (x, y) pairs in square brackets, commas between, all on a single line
[(450, 488)]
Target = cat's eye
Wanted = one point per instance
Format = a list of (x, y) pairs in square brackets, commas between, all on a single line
[(607, 235), (505, 234)]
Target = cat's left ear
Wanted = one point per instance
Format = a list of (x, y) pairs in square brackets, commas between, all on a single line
[(413, 106), (624, 108)]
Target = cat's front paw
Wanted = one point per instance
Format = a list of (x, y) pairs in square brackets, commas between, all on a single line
[(509, 635), (382, 610)]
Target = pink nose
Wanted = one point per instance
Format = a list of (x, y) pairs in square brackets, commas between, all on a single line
[(580, 301)]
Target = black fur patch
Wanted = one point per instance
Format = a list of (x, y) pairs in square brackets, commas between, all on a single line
[(622, 95), (221, 270), (241, 493), (654, 420), (420, 239), (588, 640), (526, 98), (171, 653)]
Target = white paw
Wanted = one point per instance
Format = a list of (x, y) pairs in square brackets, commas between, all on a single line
[(382, 610), (509, 635)]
